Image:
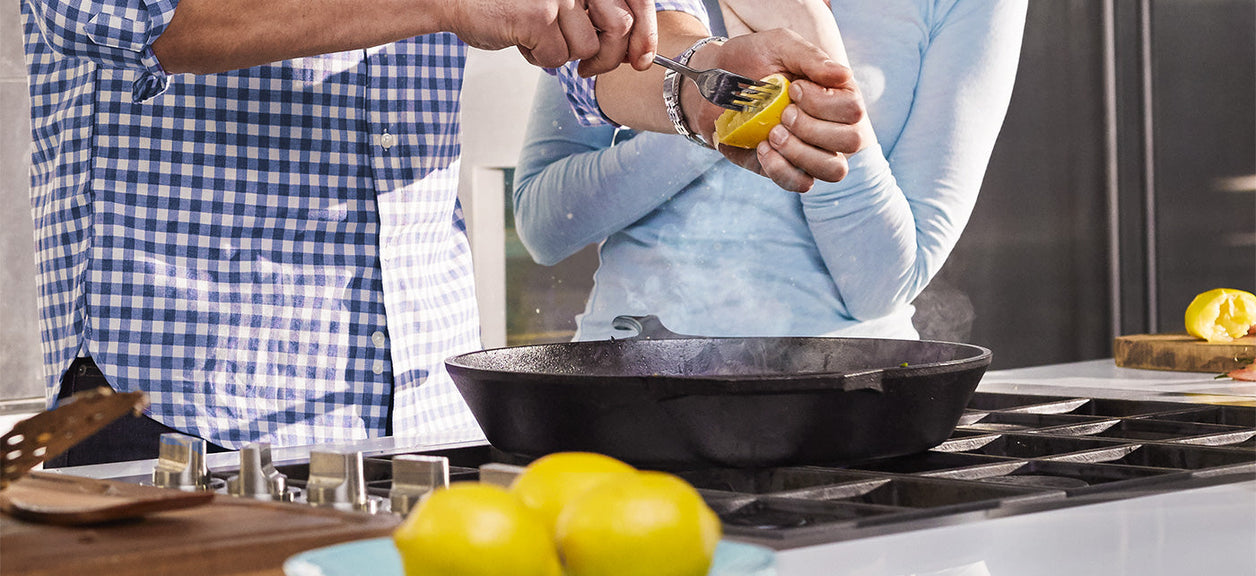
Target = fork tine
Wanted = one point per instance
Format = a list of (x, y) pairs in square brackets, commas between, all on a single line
[(721, 87), (754, 98), (746, 103), (756, 94), (768, 89)]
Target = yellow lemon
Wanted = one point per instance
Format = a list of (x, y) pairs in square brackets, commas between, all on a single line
[(746, 129), (550, 482), (474, 529), (1221, 315), (642, 524)]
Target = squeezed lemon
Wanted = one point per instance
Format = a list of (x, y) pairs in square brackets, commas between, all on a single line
[(1221, 315), (746, 129)]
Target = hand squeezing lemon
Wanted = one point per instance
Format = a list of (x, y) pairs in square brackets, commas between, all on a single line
[(746, 129)]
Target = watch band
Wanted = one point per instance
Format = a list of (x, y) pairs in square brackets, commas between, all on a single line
[(671, 93)]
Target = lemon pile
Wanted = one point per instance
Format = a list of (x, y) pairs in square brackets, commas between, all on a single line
[(746, 129), (1221, 315), (570, 513)]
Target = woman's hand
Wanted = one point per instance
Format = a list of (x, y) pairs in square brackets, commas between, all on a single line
[(817, 130), (803, 135)]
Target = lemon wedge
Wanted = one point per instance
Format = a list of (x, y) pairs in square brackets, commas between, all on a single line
[(1221, 315), (746, 129)]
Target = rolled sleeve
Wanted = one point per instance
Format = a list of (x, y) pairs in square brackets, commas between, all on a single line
[(114, 34), (580, 91)]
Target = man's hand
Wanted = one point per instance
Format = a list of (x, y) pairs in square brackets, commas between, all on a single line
[(209, 36), (817, 130), (602, 34)]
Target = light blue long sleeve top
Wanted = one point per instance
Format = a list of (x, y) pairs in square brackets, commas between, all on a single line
[(715, 250)]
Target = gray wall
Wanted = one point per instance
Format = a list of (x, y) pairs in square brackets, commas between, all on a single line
[(1035, 260), (20, 363)]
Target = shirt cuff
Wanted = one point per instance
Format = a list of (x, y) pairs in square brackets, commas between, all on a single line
[(124, 33), (152, 81)]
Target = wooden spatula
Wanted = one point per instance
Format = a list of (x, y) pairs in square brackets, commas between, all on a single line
[(47, 434), (63, 499)]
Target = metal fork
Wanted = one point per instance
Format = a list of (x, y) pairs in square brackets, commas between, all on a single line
[(721, 87)]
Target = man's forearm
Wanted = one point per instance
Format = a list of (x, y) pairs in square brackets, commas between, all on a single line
[(635, 99), (207, 36)]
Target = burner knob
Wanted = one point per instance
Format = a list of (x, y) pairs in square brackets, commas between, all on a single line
[(414, 476), (337, 481), (258, 478), (500, 474), (181, 464)]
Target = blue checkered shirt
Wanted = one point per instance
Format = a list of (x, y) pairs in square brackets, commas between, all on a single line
[(272, 254)]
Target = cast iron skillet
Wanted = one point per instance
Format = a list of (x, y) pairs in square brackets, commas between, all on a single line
[(667, 401)]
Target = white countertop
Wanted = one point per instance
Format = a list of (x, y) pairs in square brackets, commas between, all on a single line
[(1102, 378), (1208, 530)]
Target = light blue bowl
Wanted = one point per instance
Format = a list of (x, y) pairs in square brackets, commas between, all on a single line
[(378, 557)]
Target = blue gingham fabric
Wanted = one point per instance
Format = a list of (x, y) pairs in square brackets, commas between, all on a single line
[(272, 254)]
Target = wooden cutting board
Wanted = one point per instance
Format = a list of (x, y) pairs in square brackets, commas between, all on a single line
[(1182, 352), (46, 498), (226, 536)]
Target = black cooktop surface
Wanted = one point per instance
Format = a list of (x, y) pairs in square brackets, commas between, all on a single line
[(1010, 454)]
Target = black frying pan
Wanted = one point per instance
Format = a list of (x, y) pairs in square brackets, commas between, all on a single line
[(666, 401)]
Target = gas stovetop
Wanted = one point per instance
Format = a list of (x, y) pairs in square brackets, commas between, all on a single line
[(1011, 454)]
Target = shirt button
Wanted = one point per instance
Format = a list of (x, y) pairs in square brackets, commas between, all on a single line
[(377, 339), (378, 367), (387, 140)]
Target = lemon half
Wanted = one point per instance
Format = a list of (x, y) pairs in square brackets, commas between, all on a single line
[(1221, 315), (746, 129)]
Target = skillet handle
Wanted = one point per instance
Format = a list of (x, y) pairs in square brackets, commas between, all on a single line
[(647, 327)]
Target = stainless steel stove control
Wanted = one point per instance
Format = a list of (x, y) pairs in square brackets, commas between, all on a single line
[(337, 481), (258, 478), (500, 474), (181, 464), (413, 477)]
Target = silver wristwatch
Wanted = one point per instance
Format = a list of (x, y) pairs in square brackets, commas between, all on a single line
[(671, 93)]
